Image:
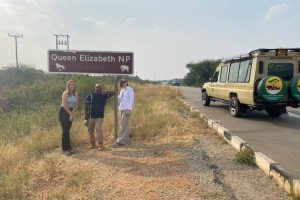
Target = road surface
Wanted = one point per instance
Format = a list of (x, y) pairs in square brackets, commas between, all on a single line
[(278, 138)]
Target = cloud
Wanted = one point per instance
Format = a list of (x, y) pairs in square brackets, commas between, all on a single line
[(129, 20), (155, 29), (93, 21), (8, 8), (34, 2), (88, 19), (275, 11), (101, 23)]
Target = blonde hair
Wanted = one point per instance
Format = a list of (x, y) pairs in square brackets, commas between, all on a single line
[(68, 88)]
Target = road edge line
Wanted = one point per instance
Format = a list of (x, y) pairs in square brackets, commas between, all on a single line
[(272, 169)]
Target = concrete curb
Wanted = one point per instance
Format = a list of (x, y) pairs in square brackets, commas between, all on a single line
[(272, 169)]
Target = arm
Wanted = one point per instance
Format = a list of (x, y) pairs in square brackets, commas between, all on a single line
[(86, 111), (110, 94), (131, 101), (87, 107), (120, 94)]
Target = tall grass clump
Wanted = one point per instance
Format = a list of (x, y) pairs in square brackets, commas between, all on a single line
[(245, 156), (153, 112)]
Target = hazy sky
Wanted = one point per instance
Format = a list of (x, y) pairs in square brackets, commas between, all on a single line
[(164, 35)]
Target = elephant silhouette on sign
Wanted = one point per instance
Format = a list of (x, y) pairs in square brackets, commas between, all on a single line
[(124, 68)]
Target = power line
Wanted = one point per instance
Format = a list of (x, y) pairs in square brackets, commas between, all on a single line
[(35, 45), (2, 38)]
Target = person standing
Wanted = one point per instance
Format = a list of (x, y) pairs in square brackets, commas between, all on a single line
[(68, 107), (94, 114), (126, 98)]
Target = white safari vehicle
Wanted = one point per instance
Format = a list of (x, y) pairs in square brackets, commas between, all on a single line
[(264, 79)]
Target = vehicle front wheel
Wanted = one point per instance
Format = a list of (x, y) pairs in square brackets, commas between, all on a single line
[(205, 99), (236, 109)]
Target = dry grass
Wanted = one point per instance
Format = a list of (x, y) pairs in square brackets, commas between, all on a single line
[(158, 118)]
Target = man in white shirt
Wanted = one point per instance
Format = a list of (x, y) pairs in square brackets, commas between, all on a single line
[(126, 99)]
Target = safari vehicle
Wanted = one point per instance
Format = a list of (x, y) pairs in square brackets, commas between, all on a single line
[(264, 79)]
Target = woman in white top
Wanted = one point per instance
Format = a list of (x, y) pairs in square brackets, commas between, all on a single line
[(68, 107), (126, 99)]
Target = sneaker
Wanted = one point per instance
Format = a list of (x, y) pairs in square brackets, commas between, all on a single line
[(71, 151), (116, 144), (67, 153), (101, 147), (92, 146)]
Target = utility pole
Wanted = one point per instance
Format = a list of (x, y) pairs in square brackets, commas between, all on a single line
[(116, 79), (16, 42), (62, 39)]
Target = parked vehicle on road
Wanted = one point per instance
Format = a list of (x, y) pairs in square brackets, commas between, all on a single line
[(175, 83), (263, 79)]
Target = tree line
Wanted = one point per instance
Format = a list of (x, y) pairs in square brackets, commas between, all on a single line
[(200, 72)]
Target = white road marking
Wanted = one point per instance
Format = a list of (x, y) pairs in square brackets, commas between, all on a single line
[(293, 115)]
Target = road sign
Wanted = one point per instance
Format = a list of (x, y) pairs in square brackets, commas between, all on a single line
[(105, 62)]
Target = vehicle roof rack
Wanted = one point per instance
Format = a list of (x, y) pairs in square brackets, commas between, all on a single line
[(240, 57), (274, 50), (250, 54)]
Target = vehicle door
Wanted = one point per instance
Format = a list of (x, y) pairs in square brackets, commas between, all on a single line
[(221, 87), (213, 86)]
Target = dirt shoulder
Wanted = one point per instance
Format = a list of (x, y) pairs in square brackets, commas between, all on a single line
[(174, 155), (194, 165)]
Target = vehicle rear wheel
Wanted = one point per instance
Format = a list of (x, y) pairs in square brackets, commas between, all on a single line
[(236, 109), (205, 99), (275, 112)]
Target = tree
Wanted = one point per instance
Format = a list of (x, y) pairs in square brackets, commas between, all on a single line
[(200, 72), (13, 77)]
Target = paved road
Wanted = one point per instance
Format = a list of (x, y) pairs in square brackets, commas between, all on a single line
[(278, 138)]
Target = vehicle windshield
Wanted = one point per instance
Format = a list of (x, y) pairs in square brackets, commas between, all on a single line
[(283, 70)]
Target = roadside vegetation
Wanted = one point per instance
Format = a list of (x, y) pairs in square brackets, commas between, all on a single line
[(245, 156), (173, 153), (30, 128), (29, 104), (200, 72)]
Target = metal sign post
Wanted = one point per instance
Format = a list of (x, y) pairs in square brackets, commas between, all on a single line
[(116, 107)]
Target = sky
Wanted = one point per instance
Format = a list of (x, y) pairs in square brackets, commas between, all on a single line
[(164, 35)]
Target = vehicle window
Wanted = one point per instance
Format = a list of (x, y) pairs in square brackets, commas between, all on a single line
[(244, 72), (234, 72), (215, 77), (223, 75), (283, 70)]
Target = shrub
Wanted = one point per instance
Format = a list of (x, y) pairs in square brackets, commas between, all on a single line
[(245, 156)]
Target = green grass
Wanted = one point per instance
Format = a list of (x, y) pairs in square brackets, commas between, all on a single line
[(245, 156)]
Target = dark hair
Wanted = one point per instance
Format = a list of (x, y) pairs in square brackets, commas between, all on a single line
[(123, 80)]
